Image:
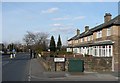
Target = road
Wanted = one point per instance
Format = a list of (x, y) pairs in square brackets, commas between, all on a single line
[(16, 69)]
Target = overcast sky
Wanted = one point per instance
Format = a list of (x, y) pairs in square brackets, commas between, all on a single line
[(53, 18)]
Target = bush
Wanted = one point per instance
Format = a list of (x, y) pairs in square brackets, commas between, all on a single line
[(63, 53), (86, 55), (53, 55)]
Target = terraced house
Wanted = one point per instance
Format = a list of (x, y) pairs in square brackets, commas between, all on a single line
[(99, 41)]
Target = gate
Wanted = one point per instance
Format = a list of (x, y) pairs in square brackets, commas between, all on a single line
[(76, 65)]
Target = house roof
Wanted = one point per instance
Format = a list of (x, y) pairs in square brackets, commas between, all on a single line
[(73, 37), (114, 21)]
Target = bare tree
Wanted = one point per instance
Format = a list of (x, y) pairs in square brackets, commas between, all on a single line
[(41, 37), (38, 41), (29, 38)]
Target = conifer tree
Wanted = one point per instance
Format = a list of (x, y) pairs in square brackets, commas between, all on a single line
[(59, 44), (52, 44)]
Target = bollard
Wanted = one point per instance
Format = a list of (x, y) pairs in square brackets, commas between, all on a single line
[(11, 56), (39, 55), (14, 55)]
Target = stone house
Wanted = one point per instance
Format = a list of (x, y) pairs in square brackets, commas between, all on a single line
[(99, 41)]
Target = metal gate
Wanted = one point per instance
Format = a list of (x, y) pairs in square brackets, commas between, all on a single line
[(76, 65)]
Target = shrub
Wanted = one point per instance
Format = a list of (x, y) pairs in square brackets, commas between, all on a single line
[(86, 55), (53, 55)]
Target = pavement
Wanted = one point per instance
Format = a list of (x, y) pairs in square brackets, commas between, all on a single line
[(38, 73)]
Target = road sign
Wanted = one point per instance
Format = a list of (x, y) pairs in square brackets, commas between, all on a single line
[(59, 59)]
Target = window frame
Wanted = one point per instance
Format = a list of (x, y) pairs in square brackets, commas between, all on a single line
[(108, 31), (99, 34)]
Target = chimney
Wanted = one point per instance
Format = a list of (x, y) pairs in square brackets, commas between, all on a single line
[(107, 17), (78, 31), (86, 28)]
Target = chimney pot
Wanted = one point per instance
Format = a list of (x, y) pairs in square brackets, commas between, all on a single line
[(86, 28), (107, 17), (78, 31)]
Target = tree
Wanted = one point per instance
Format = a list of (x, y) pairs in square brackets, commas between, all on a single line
[(59, 44), (11, 47), (44, 46), (52, 44), (36, 41), (29, 38), (2, 47)]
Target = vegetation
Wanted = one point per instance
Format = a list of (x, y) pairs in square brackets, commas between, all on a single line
[(36, 41), (59, 44), (52, 45)]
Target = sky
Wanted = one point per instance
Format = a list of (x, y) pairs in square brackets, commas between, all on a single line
[(53, 18)]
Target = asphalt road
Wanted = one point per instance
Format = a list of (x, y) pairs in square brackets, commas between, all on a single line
[(16, 69)]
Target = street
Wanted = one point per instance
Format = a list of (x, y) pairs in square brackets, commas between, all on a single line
[(16, 69)]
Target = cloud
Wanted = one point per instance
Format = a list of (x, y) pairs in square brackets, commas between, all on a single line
[(57, 25), (68, 28), (79, 18), (61, 18), (50, 10), (68, 18), (63, 30)]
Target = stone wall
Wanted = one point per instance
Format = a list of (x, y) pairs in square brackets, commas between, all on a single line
[(98, 63), (91, 63)]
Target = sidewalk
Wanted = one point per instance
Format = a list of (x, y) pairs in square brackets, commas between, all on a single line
[(93, 77), (38, 73), (36, 70)]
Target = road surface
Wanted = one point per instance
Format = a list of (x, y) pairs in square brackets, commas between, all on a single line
[(16, 69)]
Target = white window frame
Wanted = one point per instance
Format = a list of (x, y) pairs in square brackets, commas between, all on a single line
[(76, 41), (81, 39), (109, 31), (91, 37), (88, 38), (99, 34)]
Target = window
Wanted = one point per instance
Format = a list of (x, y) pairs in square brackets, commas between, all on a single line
[(76, 41), (91, 37), (88, 38), (100, 50), (109, 31), (99, 34), (75, 50), (95, 50), (110, 51), (82, 39), (103, 50)]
